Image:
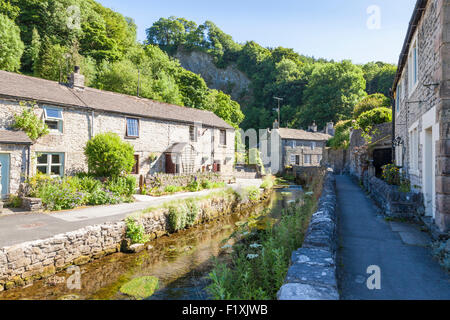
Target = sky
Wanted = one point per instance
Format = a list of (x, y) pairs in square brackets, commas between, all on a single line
[(359, 30)]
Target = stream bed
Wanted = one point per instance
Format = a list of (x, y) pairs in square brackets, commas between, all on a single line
[(181, 261)]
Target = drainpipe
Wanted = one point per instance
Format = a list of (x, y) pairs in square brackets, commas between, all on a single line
[(28, 160), (92, 123), (393, 103)]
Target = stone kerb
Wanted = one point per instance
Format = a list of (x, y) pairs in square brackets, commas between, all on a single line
[(312, 274)]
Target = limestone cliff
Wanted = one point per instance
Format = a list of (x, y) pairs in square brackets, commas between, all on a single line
[(229, 80)]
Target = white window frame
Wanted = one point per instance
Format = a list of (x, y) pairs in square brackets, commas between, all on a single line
[(292, 160), (60, 120), (50, 164), (413, 66), (307, 159), (413, 134), (138, 127)]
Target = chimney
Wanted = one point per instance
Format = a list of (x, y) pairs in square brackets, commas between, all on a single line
[(76, 79), (330, 128), (276, 125), (313, 127)]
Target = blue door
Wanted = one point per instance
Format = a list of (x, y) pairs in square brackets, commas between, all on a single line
[(4, 160)]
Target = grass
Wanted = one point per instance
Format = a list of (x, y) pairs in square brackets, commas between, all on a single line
[(261, 256)]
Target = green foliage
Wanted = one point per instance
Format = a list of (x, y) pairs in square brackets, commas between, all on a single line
[(122, 186), (108, 156), (136, 231), (379, 77), (177, 218), (377, 100), (391, 174), (140, 288), (193, 186), (332, 93), (14, 201), (268, 182), (11, 46), (191, 212), (172, 189), (341, 137), (261, 257), (375, 116), (30, 123)]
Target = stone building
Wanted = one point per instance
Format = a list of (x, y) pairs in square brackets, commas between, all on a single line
[(422, 109), (166, 138), (300, 148)]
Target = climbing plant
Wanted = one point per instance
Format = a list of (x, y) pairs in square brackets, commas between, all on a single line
[(29, 122)]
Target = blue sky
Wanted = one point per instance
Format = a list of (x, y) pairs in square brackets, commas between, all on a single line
[(332, 29)]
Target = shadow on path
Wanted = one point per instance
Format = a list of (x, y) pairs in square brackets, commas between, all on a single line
[(399, 249)]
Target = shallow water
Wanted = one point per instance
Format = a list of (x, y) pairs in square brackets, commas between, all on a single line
[(180, 261)]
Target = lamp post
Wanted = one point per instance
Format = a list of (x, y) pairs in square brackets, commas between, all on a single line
[(279, 100)]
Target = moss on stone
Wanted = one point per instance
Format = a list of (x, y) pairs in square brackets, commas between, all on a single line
[(81, 260), (140, 288)]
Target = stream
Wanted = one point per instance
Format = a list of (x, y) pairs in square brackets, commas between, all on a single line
[(180, 261)]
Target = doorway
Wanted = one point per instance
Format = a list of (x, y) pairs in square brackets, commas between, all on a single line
[(428, 173), (4, 161)]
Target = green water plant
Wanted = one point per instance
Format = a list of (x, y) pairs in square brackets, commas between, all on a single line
[(140, 288), (135, 231)]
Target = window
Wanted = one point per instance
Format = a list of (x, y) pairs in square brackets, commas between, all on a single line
[(293, 158), (307, 159), (53, 118), (398, 96), (132, 127), (399, 156), (413, 68), (223, 137), (192, 134), (319, 158), (297, 160), (135, 169), (313, 145), (50, 163)]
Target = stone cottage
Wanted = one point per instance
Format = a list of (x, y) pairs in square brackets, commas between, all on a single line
[(166, 138), (422, 107), (300, 148)]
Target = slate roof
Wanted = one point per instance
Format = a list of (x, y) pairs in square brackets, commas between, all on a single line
[(16, 86), (296, 134), (14, 137)]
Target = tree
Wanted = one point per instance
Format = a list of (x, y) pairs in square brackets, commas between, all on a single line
[(225, 108), (11, 46), (332, 93), (379, 77), (377, 100), (372, 117), (108, 156)]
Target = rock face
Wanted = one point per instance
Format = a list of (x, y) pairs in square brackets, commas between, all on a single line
[(312, 274), (229, 80)]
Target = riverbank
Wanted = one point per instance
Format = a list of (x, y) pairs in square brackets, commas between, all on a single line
[(181, 261), (22, 264)]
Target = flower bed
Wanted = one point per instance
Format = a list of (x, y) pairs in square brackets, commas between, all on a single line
[(79, 190)]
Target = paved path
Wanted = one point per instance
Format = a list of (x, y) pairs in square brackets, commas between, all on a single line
[(399, 249), (23, 227)]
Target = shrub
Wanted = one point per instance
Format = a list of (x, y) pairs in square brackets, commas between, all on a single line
[(108, 156), (341, 137), (268, 182), (391, 174), (253, 193), (122, 186), (36, 183), (27, 121), (374, 116), (206, 184), (177, 218), (194, 185), (192, 212), (14, 201), (60, 196), (100, 197), (135, 231), (377, 100)]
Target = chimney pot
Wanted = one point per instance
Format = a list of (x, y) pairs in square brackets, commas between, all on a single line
[(76, 69), (76, 79)]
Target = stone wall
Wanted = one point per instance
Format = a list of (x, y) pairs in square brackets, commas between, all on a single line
[(162, 180), (408, 205), (17, 164), (303, 147), (22, 264), (424, 108), (312, 274)]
